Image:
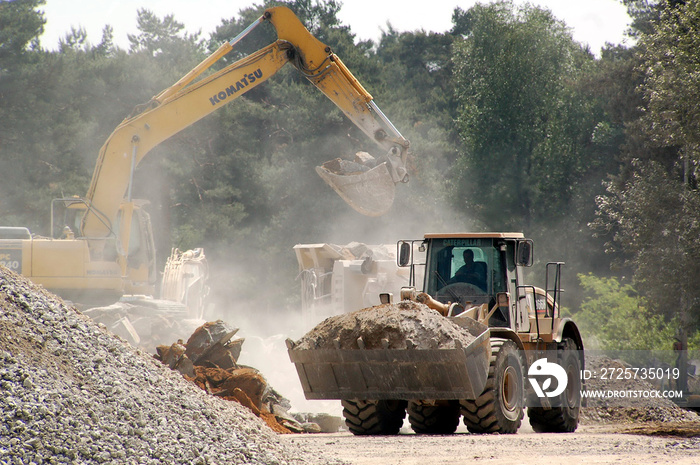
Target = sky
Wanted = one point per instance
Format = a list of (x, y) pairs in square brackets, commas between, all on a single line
[(593, 22)]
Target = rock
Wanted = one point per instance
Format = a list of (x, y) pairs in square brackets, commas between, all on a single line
[(311, 427), (248, 380), (365, 158), (215, 371), (210, 345), (327, 423)]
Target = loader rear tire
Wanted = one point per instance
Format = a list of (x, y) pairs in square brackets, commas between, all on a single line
[(499, 409), (374, 417), (434, 419), (563, 417)]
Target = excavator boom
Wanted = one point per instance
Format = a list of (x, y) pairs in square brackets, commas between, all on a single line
[(370, 190), (136, 136)]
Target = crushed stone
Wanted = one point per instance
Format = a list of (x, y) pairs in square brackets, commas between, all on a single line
[(627, 409), (72, 392)]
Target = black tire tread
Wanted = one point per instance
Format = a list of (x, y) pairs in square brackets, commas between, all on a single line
[(374, 417), (434, 419), (555, 419), (480, 414)]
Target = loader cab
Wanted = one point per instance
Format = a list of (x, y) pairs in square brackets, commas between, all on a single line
[(474, 269), (467, 270)]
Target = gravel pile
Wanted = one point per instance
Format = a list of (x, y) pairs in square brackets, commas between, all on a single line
[(402, 323), (628, 409), (71, 392)]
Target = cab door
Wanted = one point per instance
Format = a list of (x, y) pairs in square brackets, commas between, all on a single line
[(521, 300)]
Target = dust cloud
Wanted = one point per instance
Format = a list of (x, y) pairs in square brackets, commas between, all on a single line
[(266, 302), (265, 327)]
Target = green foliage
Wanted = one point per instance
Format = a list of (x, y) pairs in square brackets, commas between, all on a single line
[(20, 24), (159, 37), (654, 219), (671, 60), (539, 130), (651, 211), (416, 84), (614, 317), (643, 14), (525, 126)]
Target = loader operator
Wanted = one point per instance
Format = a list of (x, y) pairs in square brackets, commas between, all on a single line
[(471, 272)]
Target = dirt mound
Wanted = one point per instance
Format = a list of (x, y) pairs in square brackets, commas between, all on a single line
[(401, 324), (684, 429), (72, 392), (632, 408)]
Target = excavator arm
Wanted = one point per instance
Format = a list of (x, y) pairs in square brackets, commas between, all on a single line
[(369, 190)]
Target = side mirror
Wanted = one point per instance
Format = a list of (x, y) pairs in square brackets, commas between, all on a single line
[(523, 255), (404, 254)]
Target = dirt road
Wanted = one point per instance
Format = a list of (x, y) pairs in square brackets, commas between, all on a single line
[(590, 445)]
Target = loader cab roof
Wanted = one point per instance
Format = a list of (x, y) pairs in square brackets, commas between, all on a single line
[(473, 235)]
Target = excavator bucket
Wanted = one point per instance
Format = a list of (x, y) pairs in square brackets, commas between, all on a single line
[(411, 373), (369, 191)]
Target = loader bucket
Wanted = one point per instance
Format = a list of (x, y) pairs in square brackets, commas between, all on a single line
[(457, 373), (369, 192)]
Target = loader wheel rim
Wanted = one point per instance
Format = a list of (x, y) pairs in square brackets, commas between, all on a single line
[(509, 389)]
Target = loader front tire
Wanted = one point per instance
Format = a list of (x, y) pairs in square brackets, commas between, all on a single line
[(374, 417), (499, 409), (434, 419), (563, 416)]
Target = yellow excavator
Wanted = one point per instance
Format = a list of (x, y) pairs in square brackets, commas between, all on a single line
[(101, 246)]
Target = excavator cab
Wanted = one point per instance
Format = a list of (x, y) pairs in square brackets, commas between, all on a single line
[(66, 215), (133, 245)]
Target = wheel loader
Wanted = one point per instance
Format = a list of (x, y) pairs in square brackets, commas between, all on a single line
[(521, 353)]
